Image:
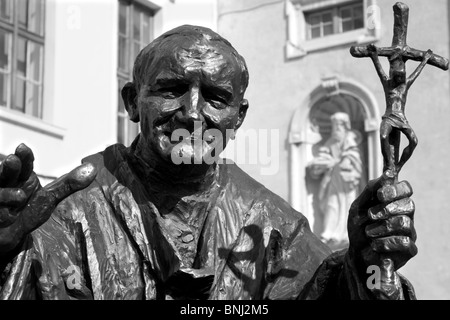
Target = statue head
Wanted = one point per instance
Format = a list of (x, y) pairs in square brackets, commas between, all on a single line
[(189, 82), (340, 125)]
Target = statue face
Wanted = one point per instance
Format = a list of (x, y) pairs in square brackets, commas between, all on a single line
[(338, 129), (191, 92)]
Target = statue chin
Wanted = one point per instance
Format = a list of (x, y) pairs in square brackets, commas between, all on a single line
[(192, 152)]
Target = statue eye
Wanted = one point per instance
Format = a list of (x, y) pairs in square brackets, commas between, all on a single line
[(217, 104), (173, 92), (215, 99)]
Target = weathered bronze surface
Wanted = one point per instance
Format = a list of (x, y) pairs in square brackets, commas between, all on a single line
[(131, 224), (396, 87)]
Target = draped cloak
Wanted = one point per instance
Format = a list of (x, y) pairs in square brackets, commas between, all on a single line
[(108, 241)]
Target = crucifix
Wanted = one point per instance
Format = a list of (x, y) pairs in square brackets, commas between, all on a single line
[(396, 86)]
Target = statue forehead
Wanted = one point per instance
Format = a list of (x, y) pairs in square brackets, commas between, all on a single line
[(187, 53), (178, 56)]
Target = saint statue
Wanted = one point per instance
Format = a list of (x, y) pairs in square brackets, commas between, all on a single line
[(339, 167)]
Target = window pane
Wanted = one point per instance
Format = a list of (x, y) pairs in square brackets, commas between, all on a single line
[(32, 99), (146, 29), (136, 49), (315, 32), (5, 47), (35, 16), (347, 26), (136, 24), (359, 23), (121, 129), (4, 89), (21, 57), (346, 13), (123, 53), (327, 29), (314, 20), (357, 11), (5, 10), (19, 97), (123, 19), (327, 17), (34, 67), (23, 12)]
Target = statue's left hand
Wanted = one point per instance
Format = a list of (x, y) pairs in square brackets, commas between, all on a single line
[(381, 231)]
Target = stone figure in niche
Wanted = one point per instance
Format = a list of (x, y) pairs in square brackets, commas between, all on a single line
[(130, 223), (339, 167)]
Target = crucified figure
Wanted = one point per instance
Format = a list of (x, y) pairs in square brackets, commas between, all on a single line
[(396, 87)]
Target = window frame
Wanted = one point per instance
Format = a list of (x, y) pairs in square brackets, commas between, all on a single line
[(17, 32), (337, 20), (298, 44), (130, 128)]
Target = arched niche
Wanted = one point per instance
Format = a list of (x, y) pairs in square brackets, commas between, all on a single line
[(353, 98)]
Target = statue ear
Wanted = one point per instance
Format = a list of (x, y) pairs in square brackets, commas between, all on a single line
[(243, 106), (129, 96)]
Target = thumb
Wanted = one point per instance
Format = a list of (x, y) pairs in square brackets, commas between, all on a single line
[(45, 200), (77, 179), (368, 197)]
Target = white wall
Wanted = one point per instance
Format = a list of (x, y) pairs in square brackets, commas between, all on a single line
[(79, 87), (80, 80)]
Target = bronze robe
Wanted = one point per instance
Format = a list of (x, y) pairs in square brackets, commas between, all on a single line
[(109, 241)]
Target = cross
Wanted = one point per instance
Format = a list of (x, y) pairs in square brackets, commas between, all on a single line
[(394, 121), (401, 14), (396, 88)]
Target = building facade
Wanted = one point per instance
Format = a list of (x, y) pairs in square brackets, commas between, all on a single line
[(63, 62), (301, 72)]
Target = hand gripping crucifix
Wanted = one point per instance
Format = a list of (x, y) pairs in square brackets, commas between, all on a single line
[(394, 122)]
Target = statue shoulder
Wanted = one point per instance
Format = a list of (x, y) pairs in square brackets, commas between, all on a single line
[(253, 195)]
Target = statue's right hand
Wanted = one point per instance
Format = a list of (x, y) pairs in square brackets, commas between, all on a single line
[(24, 204)]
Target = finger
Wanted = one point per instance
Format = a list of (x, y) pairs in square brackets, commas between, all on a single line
[(27, 158), (394, 192), (395, 226), (7, 217), (12, 197), (397, 244), (367, 198), (403, 206), (77, 179), (9, 170)]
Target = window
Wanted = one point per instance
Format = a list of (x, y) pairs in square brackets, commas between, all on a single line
[(336, 20), (21, 55), (321, 24), (135, 32)]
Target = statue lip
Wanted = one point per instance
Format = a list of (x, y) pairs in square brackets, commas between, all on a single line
[(194, 136)]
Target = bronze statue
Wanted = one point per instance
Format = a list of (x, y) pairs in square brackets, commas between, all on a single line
[(131, 224)]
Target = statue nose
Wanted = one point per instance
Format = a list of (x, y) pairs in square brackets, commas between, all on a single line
[(191, 111)]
